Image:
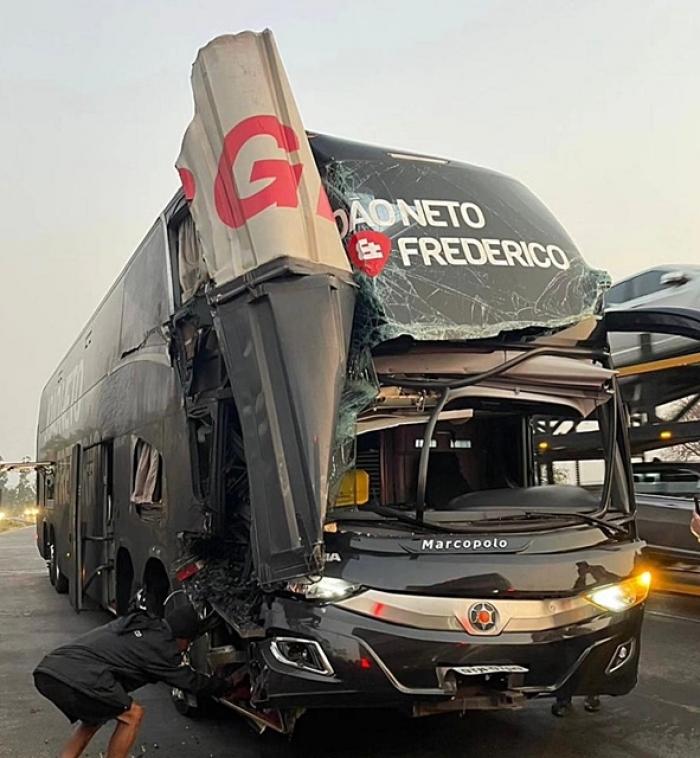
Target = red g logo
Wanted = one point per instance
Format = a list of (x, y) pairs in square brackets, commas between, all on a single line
[(233, 210)]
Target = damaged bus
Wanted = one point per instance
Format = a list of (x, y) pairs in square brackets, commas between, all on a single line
[(334, 401)]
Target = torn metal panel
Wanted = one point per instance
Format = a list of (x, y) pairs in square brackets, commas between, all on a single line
[(541, 370), (246, 166), (447, 251), (284, 340), (280, 289)]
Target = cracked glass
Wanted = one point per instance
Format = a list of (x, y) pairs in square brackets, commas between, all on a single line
[(446, 252), (473, 253)]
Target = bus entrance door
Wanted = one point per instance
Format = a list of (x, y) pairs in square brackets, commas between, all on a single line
[(94, 542)]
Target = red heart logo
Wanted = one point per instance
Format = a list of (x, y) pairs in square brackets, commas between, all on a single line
[(369, 251)]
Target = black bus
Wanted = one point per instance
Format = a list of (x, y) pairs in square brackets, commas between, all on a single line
[(405, 525)]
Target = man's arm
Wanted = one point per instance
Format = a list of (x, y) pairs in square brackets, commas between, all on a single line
[(186, 678), (168, 668)]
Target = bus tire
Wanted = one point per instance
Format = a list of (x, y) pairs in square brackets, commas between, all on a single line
[(58, 579)]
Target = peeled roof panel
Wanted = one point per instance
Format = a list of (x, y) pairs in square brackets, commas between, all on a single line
[(246, 165)]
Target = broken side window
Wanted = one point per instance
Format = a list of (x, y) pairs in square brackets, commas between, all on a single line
[(147, 480), (192, 270), (202, 440)]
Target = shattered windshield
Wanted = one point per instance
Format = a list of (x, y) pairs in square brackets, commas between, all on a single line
[(443, 251), (450, 251), (483, 458)]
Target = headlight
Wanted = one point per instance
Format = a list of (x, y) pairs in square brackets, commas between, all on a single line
[(620, 597), (328, 588)]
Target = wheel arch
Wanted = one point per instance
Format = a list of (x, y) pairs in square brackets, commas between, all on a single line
[(156, 584)]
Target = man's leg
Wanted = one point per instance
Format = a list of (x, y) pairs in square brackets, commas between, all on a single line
[(78, 741), (126, 732)]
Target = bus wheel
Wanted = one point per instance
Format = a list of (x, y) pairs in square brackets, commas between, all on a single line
[(58, 579), (185, 704)]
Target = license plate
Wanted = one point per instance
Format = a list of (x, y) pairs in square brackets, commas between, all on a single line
[(482, 670)]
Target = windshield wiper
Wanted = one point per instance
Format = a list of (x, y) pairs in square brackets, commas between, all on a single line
[(366, 518), (481, 525), (604, 525), (404, 518)]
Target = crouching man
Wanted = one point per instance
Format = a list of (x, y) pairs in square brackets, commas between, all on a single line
[(90, 679)]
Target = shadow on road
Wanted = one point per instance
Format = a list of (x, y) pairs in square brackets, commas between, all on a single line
[(389, 734), (660, 719)]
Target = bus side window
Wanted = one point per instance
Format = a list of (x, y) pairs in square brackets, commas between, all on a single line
[(147, 480), (63, 482), (48, 489)]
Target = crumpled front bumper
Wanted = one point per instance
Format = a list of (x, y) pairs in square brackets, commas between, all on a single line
[(373, 663)]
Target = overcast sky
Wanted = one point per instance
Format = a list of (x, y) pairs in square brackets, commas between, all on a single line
[(591, 103)]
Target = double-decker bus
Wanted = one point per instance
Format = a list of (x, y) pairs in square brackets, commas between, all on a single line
[(360, 471)]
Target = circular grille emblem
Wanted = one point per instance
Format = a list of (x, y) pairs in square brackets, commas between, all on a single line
[(483, 617)]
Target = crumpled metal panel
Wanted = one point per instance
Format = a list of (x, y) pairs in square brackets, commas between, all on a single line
[(246, 166), (284, 346), (280, 292)]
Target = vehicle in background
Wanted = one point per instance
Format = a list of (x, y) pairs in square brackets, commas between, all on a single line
[(663, 286), (667, 478), (671, 528), (656, 370), (664, 524)]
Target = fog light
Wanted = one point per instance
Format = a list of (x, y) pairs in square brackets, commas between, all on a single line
[(622, 655), (302, 654)]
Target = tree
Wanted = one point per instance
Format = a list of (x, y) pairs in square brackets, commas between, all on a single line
[(3, 479), (7, 499), (26, 490), (14, 499)]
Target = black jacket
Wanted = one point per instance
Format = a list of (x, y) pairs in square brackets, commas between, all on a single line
[(124, 655)]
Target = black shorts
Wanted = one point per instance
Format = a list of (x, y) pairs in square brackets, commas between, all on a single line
[(75, 705)]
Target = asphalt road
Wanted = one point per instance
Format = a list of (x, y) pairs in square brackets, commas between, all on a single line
[(660, 719)]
